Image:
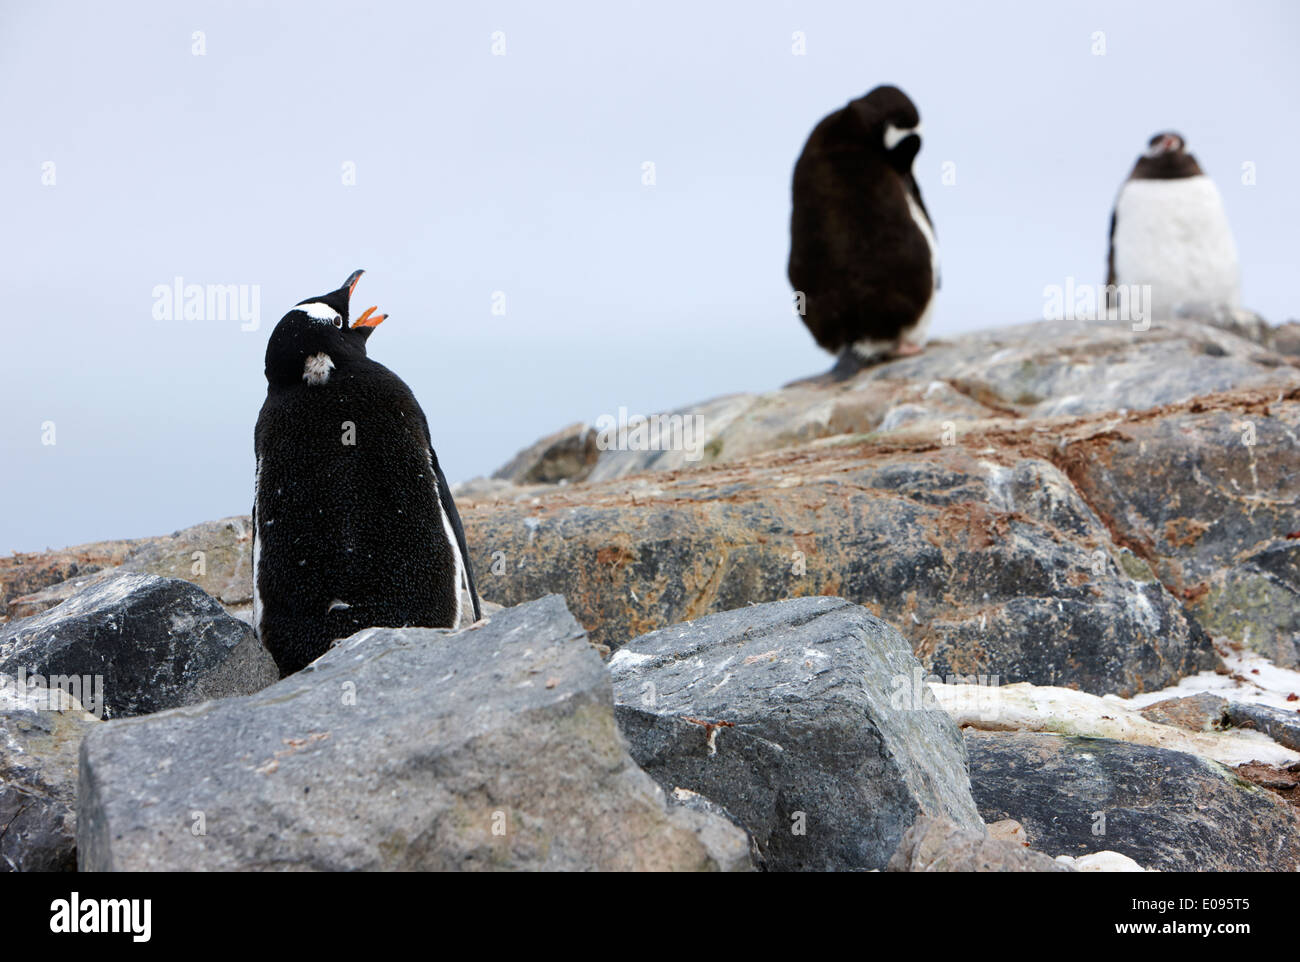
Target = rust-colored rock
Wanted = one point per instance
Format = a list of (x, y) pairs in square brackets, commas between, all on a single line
[(1207, 497), (1195, 713), (215, 555), (983, 555)]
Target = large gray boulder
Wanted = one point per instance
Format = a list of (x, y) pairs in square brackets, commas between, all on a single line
[(489, 748), (40, 733), (1167, 810), (136, 644), (805, 719)]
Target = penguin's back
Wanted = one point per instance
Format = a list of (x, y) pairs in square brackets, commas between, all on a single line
[(1173, 234), (350, 529), (862, 251)]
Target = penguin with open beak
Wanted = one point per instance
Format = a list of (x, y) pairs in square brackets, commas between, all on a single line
[(354, 525)]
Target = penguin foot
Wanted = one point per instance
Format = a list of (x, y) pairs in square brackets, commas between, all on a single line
[(907, 350), (478, 624), (848, 364)]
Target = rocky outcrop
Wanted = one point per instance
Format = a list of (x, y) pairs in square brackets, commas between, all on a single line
[(215, 555), (489, 748), (40, 734), (984, 557), (567, 455), (1206, 497), (1166, 810), (1179, 491), (938, 845), (28, 573), (958, 495), (1028, 371), (132, 644), (802, 719), (1043, 515)]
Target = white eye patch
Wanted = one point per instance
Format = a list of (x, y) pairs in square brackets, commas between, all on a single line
[(894, 135), (320, 312)]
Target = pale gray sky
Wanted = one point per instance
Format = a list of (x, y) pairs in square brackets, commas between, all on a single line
[(523, 174)]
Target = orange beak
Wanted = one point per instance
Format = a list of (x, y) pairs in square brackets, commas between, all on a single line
[(369, 318)]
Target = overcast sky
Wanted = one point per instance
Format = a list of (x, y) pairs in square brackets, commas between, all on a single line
[(213, 142)]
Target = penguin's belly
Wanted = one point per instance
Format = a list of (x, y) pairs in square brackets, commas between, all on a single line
[(349, 535), (1174, 236)]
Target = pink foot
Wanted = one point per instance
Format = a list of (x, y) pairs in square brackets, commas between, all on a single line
[(907, 350)]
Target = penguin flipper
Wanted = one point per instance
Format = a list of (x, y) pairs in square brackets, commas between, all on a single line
[(449, 506), (1110, 265), (252, 547), (916, 194)]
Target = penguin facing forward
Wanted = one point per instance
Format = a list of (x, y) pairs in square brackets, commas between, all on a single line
[(863, 253), (1168, 230), (354, 525)]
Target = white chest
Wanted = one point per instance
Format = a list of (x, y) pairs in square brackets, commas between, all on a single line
[(1174, 236), (316, 370)]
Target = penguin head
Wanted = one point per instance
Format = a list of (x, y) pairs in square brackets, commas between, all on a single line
[(892, 121), (315, 337), (1166, 157), (1165, 143)]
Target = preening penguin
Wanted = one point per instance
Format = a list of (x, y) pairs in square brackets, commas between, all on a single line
[(354, 525), (862, 249), (1169, 231)]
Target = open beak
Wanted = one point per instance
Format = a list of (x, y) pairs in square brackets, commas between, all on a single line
[(369, 318)]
